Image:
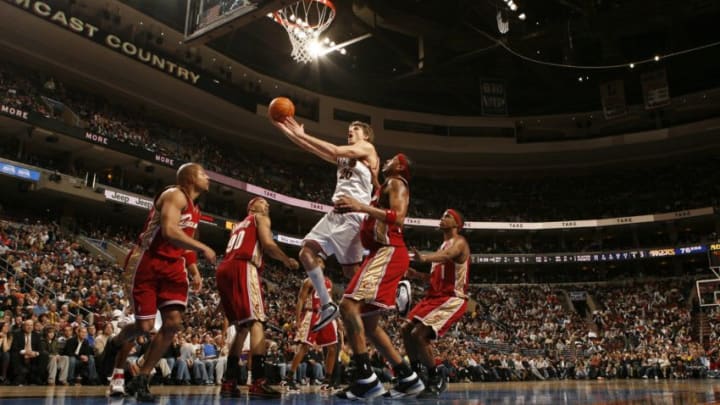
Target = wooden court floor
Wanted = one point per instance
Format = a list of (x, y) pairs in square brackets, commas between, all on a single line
[(545, 392)]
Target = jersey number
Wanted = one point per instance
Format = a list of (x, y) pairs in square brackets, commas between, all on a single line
[(346, 174), (235, 241)]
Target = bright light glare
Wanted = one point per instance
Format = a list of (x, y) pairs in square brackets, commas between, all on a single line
[(315, 48)]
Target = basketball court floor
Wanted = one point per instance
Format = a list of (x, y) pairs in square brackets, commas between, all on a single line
[(547, 392)]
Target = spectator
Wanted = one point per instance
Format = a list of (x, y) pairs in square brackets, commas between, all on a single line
[(81, 358), (58, 364), (25, 360), (6, 339)]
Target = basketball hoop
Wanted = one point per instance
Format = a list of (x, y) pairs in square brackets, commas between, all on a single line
[(304, 21)]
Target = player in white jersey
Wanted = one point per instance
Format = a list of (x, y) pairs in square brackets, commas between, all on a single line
[(337, 233)]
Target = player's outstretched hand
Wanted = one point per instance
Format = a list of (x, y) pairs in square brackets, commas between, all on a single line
[(209, 254), (281, 126), (294, 126), (289, 127), (346, 204), (417, 257), (292, 264)]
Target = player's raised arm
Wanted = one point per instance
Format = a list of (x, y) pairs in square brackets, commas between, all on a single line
[(357, 150), (296, 133)]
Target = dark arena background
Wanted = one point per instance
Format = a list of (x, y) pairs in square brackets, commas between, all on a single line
[(579, 139)]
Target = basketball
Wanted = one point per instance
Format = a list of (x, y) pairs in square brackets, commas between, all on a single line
[(281, 108)]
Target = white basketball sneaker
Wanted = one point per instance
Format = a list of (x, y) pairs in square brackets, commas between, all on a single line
[(117, 385), (403, 298), (328, 312)]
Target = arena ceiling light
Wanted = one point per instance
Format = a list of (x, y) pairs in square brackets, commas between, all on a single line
[(504, 14)]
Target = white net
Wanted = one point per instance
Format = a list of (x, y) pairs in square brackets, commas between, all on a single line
[(304, 21)]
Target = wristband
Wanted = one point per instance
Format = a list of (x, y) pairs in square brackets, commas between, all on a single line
[(390, 216)]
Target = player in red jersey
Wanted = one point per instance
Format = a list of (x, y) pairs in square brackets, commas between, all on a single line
[(372, 290), (241, 295), (156, 267), (445, 301), (307, 314)]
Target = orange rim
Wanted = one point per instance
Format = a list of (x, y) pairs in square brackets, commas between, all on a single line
[(327, 3)]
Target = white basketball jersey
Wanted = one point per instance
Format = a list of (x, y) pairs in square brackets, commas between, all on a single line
[(354, 179)]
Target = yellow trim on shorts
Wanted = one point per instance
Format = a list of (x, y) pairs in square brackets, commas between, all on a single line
[(371, 275), (441, 315), (254, 295)]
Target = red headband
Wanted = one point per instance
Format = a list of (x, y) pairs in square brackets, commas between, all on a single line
[(252, 201), (456, 216), (403, 160)]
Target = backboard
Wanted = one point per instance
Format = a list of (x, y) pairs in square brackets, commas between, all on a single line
[(303, 20), (208, 19), (708, 291)]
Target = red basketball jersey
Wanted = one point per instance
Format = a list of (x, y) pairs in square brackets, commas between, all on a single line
[(244, 243), (449, 278), (316, 298), (374, 233), (151, 238)]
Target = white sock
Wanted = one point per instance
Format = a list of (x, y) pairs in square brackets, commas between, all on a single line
[(368, 380), (119, 371), (318, 280)]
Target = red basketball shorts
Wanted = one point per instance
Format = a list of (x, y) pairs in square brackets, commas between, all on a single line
[(241, 295), (326, 336), (439, 313), (156, 282), (377, 279)]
